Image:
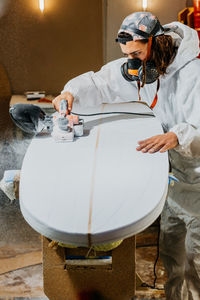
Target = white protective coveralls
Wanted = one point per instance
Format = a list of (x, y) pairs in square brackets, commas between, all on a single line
[(178, 109)]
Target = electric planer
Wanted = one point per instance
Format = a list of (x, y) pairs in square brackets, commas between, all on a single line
[(62, 125), (65, 125)]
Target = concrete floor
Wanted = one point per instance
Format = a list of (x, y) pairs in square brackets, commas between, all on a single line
[(17, 237)]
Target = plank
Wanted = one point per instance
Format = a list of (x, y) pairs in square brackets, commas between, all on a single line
[(20, 261)]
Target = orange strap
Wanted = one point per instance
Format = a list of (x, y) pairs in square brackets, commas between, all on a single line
[(138, 85), (149, 48), (153, 104), (144, 66), (154, 101)]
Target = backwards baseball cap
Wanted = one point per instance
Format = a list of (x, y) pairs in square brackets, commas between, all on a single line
[(140, 26)]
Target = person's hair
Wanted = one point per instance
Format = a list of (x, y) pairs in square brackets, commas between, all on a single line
[(163, 50)]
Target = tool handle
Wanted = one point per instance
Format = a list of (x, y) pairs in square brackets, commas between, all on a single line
[(63, 109)]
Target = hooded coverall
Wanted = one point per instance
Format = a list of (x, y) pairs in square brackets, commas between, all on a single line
[(178, 109)]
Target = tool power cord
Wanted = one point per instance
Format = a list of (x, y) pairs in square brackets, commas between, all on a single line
[(154, 267), (114, 112)]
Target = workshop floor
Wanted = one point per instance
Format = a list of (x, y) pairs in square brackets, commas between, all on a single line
[(20, 245)]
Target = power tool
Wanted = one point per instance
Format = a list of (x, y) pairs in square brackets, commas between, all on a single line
[(65, 125), (62, 125)]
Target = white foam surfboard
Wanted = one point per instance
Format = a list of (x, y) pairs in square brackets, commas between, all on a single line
[(97, 189)]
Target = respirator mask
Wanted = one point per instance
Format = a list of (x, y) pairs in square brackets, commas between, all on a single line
[(135, 27), (137, 70), (143, 72)]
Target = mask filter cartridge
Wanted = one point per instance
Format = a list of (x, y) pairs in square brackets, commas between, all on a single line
[(137, 70)]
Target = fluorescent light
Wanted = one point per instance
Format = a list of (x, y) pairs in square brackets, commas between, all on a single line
[(144, 4), (41, 5)]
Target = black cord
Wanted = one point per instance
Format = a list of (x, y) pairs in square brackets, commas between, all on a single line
[(157, 257), (154, 267), (114, 112)]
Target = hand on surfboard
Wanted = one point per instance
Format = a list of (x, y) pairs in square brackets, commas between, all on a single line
[(67, 96), (161, 143)]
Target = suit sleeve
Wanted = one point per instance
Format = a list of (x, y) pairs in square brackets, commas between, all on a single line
[(188, 131), (104, 86)]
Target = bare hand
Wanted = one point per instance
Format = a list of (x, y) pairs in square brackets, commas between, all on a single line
[(67, 96), (162, 143)]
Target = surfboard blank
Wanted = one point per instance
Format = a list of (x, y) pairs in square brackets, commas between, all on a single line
[(97, 189)]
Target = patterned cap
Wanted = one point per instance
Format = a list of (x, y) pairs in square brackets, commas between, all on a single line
[(140, 25)]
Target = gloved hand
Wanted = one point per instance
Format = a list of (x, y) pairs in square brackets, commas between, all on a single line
[(67, 96)]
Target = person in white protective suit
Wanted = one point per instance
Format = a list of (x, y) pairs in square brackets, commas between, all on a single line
[(162, 61)]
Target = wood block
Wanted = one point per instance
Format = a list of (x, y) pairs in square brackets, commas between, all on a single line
[(22, 99), (16, 185), (115, 282)]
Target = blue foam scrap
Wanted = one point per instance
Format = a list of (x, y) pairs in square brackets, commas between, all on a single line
[(9, 175), (172, 179)]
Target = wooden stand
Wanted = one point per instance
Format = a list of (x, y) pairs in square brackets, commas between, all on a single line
[(114, 281)]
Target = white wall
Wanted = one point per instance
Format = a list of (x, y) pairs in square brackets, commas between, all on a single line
[(117, 10)]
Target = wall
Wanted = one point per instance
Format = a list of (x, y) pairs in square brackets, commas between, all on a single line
[(44, 51), (117, 10)]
